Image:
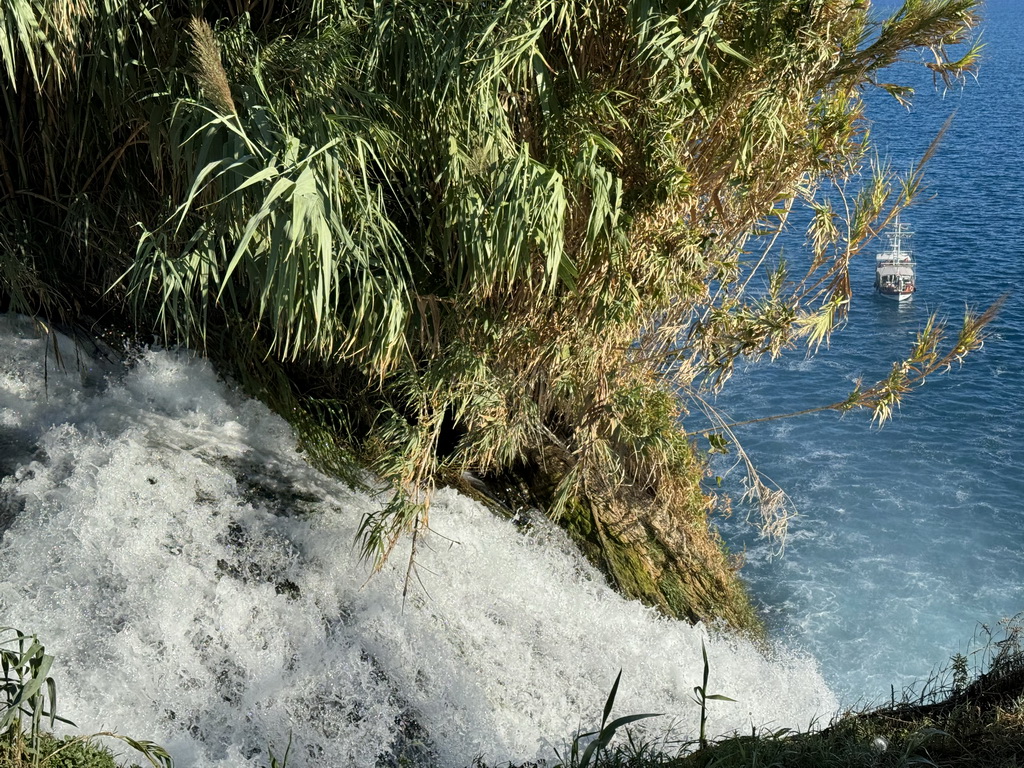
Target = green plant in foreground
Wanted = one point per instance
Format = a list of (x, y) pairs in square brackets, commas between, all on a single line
[(27, 690), (702, 697), (603, 735), (283, 762)]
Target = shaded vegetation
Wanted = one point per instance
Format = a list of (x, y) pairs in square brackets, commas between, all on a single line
[(511, 238)]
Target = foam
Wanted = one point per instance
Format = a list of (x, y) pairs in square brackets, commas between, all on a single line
[(198, 584)]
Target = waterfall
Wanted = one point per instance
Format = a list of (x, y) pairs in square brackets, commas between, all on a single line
[(198, 584)]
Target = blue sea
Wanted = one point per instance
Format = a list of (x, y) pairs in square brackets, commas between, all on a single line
[(910, 536)]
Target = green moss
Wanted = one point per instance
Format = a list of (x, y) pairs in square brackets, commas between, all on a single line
[(631, 574), (676, 593), (578, 521), (682, 587)]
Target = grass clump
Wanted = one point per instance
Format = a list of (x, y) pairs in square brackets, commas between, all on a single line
[(958, 719), (52, 752), (28, 705)]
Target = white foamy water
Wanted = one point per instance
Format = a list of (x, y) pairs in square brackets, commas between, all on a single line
[(197, 583)]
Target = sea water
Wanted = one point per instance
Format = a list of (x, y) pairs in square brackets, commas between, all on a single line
[(912, 535), (199, 586)]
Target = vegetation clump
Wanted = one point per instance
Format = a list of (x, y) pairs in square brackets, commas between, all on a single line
[(517, 238), (28, 706), (952, 721), (69, 752), (955, 720)]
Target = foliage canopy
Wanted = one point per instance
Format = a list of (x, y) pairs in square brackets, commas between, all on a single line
[(500, 236)]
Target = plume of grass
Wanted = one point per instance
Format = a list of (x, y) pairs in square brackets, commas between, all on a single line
[(209, 71)]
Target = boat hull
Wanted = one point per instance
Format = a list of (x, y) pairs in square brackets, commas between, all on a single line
[(896, 296)]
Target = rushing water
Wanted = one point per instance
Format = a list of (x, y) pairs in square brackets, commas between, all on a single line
[(197, 583), (911, 535)]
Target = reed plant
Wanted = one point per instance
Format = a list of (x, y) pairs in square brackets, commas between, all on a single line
[(587, 748), (520, 239), (28, 707)]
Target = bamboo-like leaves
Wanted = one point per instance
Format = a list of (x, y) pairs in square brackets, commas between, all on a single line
[(296, 235), (930, 355), (932, 24), (24, 38), (506, 218), (516, 225), (26, 688)]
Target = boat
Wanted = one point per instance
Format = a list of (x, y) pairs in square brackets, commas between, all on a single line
[(894, 268)]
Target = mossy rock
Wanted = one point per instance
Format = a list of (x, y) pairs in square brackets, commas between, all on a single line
[(693, 580)]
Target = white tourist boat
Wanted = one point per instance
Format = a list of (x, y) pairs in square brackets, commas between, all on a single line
[(894, 267)]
